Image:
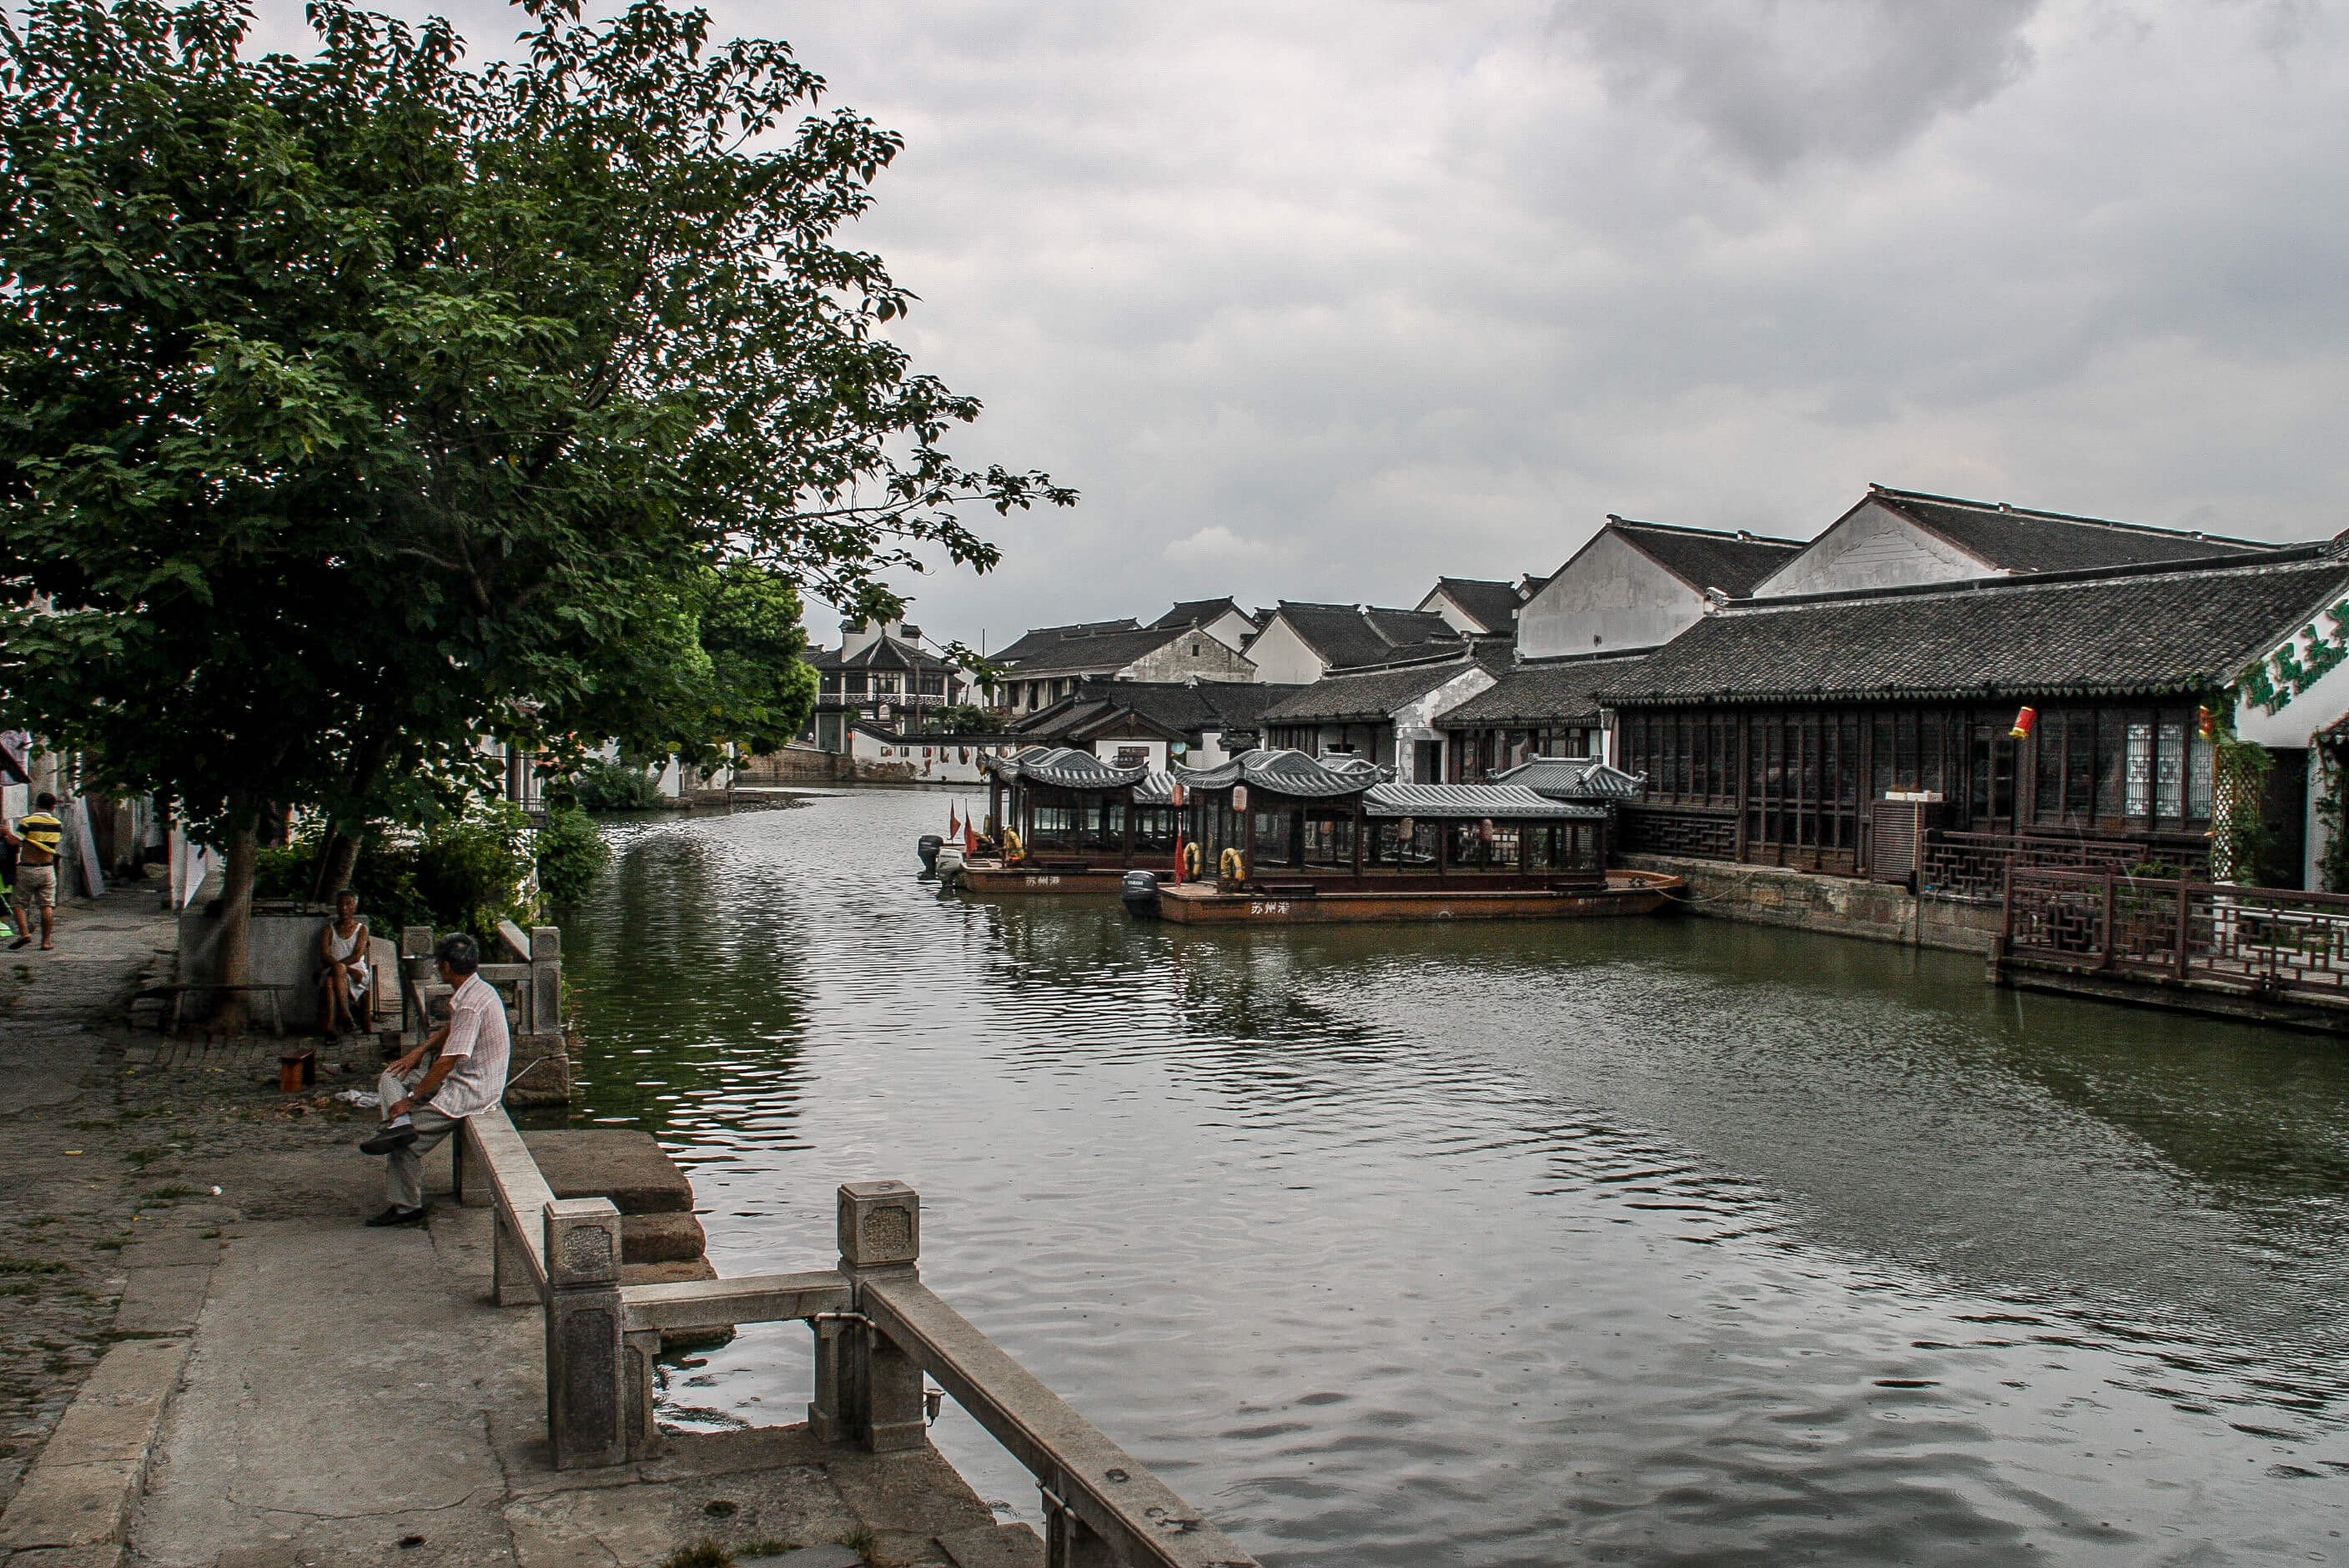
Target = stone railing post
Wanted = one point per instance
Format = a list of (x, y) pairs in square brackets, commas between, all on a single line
[(638, 1410), (547, 979), (867, 1390), (415, 969), (586, 1381)]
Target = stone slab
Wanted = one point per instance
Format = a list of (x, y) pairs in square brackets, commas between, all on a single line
[(107, 1555), (994, 1546), (162, 1301), (805, 1557), (35, 1090), (619, 1163), (689, 1272), (79, 1492), (646, 1523), (661, 1239), (173, 1249)]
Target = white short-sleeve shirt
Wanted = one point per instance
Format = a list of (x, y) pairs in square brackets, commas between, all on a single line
[(478, 1038)]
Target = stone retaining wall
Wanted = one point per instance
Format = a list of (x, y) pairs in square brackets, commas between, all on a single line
[(1841, 906)]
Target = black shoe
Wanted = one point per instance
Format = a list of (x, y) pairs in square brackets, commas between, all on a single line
[(20, 942), (396, 1215), (390, 1139)]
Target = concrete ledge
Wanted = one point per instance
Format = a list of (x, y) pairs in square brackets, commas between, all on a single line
[(660, 1239), (625, 1166), (165, 1301), (2170, 995), (1836, 906), (79, 1491)]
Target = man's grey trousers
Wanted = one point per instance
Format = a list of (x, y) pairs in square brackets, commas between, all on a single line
[(403, 1169)]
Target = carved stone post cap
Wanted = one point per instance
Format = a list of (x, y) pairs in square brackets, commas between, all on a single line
[(582, 1243), (546, 942), (880, 1223)]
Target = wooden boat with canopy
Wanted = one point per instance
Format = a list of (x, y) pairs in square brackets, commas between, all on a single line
[(1064, 821), (1283, 838)]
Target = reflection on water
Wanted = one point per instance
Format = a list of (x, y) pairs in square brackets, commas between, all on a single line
[(1652, 1242)]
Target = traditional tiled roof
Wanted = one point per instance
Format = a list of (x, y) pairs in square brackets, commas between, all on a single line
[(2019, 538), (1706, 557), (1349, 636), (1457, 802), (2140, 631), (1100, 653), (1183, 706), (1064, 767), (1044, 637), (1561, 691), (1493, 605), (883, 654), (1191, 612), (1364, 695), (1575, 778), (1286, 772)]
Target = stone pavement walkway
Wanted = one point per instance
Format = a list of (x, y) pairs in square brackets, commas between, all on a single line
[(281, 1386)]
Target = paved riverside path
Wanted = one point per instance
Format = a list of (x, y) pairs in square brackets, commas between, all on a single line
[(256, 1380)]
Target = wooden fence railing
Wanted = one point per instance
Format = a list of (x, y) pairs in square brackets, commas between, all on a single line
[(1973, 866), (877, 1330), (2267, 941)]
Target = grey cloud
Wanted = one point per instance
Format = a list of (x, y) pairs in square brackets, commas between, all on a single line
[(1322, 299), (1775, 81)]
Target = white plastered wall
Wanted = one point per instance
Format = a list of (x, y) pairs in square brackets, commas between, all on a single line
[(1414, 721), (1281, 658), (2321, 705), (1872, 547), (1608, 596)]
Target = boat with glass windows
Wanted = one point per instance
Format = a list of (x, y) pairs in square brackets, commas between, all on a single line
[(1059, 820), (1278, 837)]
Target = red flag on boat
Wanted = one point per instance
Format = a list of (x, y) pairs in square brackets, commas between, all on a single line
[(969, 837), (954, 823)]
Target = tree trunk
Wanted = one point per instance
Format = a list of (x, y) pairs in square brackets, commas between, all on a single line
[(235, 951), (341, 850)]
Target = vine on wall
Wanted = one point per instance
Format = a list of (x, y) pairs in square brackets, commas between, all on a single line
[(2240, 835), (2292, 670)]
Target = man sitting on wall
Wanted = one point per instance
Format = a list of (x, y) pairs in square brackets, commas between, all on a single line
[(422, 1105)]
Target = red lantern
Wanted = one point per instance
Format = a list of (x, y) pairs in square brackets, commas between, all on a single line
[(2209, 720), (2023, 721)]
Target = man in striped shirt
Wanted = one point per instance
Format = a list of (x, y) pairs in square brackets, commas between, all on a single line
[(37, 839)]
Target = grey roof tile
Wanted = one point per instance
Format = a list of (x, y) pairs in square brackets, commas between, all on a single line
[(1705, 557), (1562, 691), (1349, 636), (1492, 604), (2018, 538), (1364, 695), (2144, 631)]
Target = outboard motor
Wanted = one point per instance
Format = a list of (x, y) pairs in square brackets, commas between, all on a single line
[(1140, 893), (950, 865), (927, 847)]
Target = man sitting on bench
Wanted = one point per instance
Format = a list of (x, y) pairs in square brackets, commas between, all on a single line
[(422, 1105)]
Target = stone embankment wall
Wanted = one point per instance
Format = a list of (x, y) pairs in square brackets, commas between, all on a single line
[(1841, 906)]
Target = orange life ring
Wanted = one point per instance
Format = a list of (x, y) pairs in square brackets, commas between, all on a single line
[(1232, 864)]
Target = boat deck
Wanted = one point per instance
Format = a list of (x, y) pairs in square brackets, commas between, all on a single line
[(1625, 892)]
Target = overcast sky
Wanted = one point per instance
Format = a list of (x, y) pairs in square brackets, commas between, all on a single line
[(1318, 299)]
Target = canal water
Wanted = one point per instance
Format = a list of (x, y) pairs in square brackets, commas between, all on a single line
[(1645, 1240)]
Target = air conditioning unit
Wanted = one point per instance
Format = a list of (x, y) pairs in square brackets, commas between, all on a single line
[(1899, 824)]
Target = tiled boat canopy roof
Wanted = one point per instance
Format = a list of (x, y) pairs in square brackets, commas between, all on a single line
[(1064, 767), (1575, 778), (1287, 773), (1469, 802)]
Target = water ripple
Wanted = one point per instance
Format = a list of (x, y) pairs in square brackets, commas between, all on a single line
[(1633, 1241)]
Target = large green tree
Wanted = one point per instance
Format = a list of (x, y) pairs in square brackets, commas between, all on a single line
[(356, 405)]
